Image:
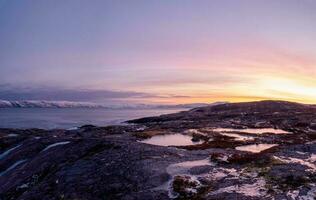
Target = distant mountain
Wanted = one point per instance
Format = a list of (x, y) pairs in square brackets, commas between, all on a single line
[(44, 104), (69, 104)]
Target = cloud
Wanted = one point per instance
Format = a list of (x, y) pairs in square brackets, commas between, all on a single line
[(56, 94), (11, 93)]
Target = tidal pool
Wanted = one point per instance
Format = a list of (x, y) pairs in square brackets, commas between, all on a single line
[(253, 130), (255, 148), (170, 140), (238, 137)]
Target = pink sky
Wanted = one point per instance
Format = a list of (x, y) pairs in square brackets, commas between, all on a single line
[(188, 51)]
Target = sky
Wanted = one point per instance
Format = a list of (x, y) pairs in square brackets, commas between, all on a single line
[(166, 51)]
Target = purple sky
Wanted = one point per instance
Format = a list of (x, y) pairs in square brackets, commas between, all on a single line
[(172, 51)]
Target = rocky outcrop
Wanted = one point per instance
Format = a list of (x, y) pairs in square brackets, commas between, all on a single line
[(110, 163)]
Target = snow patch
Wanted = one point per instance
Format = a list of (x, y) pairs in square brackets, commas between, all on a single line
[(12, 167), (306, 162), (7, 152), (256, 189), (55, 144), (184, 167)]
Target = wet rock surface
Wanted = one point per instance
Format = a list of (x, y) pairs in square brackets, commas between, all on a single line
[(113, 163)]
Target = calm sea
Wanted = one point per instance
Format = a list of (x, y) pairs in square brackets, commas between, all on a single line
[(50, 118)]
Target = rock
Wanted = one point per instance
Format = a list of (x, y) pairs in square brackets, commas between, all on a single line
[(109, 163)]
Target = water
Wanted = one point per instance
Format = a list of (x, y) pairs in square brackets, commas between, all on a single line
[(238, 137), (253, 130), (50, 118), (170, 140), (255, 148)]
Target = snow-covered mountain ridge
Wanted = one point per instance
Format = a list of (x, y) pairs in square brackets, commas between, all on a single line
[(70, 104)]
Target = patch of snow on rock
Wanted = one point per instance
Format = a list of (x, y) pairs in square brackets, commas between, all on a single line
[(7, 152), (306, 163), (256, 189), (12, 167), (56, 144)]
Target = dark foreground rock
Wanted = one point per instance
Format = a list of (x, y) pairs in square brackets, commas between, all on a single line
[(110, 162)]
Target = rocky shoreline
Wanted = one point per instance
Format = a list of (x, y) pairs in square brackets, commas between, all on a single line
[(256, 150)]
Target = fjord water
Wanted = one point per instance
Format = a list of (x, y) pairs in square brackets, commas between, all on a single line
[(50, 118)]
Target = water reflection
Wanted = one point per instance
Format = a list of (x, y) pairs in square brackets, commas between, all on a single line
[(255, 148), (238, 137), (170, 140), (253, 130)]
